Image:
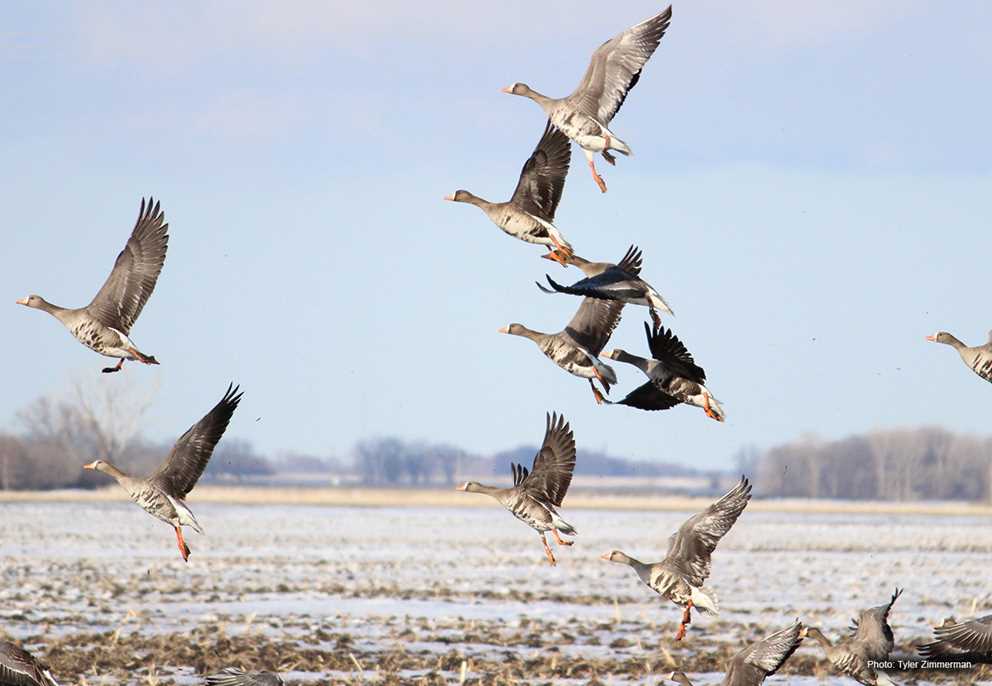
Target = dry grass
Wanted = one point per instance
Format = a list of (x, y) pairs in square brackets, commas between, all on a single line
[(383, 497)]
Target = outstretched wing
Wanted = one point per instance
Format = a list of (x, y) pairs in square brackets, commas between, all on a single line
[(670, 351), (690, 548), (542, 179), (631, 262), (554, 463), (974, 636), (616, 66), (18, 667), (132, 280), (649, 397), (872, 630), (771, 652), (189, 457), (238, 677), (594, 322)]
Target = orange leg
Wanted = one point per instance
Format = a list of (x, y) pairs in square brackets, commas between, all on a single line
[(709, 410), (655, 319), (559, 540), (141, 357), (183, 548), (561, 248), (596, 394), (686, 619), (547, 551), (596, 177), (111, 370)]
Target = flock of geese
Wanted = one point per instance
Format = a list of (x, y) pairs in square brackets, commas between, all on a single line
[(673, 378)]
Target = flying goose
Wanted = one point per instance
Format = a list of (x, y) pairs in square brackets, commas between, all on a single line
[(536, 496), (529, 214), (978, 358), (673, 376), (614, 282), (233, 676), (614, 69), (680, 576), (757, 661), (970, 641), (18, 667), (576, 347), (163, 494), (105, 324), (870, 642)]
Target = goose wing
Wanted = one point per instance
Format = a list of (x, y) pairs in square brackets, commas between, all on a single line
[(238, 677), (765, 657), (132, 280), (669, 350), (974, 636), (594, 322), (871, 629), (631, 262), (615, 68), (189, 457), (690, 548), (554, 463), (18, 667), (649, 397), (542, 179)]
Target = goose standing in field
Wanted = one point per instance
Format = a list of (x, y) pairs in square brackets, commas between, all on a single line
[(970, 641), (756, 662), (529, 214), (18, 667), (163, 494), (105, 324), (614, 69), (680, 576), (238, 677), (614, 282), (576, 347), (978, 358), (536, 496), (871, 641), (673, 376)]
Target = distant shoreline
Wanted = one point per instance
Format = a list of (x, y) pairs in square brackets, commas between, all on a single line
[(384, 497)]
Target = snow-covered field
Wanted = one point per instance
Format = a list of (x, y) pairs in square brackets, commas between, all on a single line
[(345, 595)]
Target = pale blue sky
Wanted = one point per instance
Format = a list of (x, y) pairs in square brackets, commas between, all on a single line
[(811, 190)]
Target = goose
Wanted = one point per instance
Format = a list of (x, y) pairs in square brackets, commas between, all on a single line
[(978, 358), (104, 325), (673, 375), (614, 282), (529, 214), (614, 69), (536, 495), (870, 642), (163, 494), (680, 576), (18, 667), (576, 347), (757, 661), (233, 676), (970, 641)]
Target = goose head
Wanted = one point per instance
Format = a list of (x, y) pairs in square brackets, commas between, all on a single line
[(460, 196), (617, 556), (940, 337), (469, 487), (518, 89), (35, 301), (96, 465)]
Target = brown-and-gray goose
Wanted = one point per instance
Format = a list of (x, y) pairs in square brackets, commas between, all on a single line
[(18, 667), (163, 494), (971, 641), (680, 576), (673, 376), (871, 641), (104, 325), (233, 676), (536, 495), (614, 282), (615, 68), (529, 214), (978, 358), (576, 348), (756, 662)]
